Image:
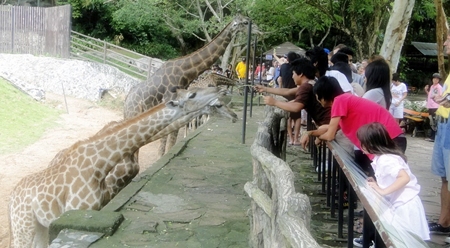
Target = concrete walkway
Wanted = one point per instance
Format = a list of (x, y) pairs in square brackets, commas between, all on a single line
[(194, 197)]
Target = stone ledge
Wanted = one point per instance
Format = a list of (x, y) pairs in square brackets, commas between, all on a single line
[(86, 220)]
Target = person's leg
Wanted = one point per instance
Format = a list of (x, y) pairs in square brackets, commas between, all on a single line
[(297, 126), (440, 166), (444, 218), (289, 127), (364, 162)]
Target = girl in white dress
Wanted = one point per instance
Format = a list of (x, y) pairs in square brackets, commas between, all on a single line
[(394, 180)]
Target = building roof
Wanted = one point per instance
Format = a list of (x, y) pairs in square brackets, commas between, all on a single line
[(284, 48), (427, 49)]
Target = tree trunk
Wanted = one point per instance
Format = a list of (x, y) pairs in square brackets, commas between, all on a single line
[(395, 34), (441, 36)]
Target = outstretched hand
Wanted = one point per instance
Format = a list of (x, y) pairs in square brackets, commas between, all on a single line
[(260, 88)]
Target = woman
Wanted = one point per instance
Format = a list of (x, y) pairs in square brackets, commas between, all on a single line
[(378, 90), (399, 93)]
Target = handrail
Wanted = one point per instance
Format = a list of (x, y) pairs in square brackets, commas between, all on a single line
[(281, 217)]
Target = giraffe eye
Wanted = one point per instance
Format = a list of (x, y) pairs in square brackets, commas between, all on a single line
[(192, 95)]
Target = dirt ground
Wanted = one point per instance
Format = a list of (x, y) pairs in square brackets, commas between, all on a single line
[(84, 119)]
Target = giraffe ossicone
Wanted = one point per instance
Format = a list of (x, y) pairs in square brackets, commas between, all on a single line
[(76, 177)]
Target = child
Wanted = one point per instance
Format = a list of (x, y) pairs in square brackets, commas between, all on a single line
[(394, 180)]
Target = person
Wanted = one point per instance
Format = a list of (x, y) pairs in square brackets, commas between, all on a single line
[(229, 71), (378, 84), (399, 93), (241, 69), (276, 74), (432, 91), (303, 74), (340, 71), (285, 80), (270, 72), (347, 113), (393, 180), (440, 161), (356, 78)]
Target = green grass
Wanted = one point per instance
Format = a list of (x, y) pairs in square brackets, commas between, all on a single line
[(22, 119)]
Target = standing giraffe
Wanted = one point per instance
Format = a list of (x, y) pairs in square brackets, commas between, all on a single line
[(180, 73), (76, 177)]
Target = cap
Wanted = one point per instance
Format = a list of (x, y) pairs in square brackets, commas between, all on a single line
[(437, 75)]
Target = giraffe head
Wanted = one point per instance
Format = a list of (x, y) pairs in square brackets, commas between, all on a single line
[(202, 100), (240, 24)]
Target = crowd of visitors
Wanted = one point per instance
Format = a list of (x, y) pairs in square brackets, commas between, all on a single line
[(336, 93)]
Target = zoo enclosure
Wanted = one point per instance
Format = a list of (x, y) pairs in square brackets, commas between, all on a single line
[(47, 32)]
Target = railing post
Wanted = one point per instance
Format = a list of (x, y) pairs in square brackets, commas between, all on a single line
[(149, 72), (104, 52)]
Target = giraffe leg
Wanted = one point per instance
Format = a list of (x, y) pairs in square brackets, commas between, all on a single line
[(162, 147), (22, 223), (41, 237), (119, 177), (172, 140)]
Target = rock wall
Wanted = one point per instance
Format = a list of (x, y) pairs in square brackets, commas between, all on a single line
[(81, 79)]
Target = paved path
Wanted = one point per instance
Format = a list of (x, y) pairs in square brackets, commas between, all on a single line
[(194, 197)]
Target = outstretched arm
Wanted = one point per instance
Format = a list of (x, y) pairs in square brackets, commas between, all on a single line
[(276, 91), (401, 181), (288, 106)]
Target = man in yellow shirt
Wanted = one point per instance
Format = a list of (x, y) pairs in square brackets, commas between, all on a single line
[(241, 69), (440, 163)]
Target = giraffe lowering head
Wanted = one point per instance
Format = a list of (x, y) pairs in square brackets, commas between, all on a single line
[(76, 176), (180, 72)]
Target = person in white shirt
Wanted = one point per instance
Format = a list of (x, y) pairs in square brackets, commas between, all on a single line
[(394, 181), (399, 93)]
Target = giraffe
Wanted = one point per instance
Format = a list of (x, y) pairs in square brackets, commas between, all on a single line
[(179, 72), (76, 176), (117, 180)]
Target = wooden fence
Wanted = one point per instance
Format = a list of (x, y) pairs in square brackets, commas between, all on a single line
[(35, 30), (132, 63), (280, 216)]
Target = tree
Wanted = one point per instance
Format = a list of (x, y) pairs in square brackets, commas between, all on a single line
[(441, 35), (361, 20), (395, 33)]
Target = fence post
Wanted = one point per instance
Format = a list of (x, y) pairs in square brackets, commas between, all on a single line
[(104, 52), (149, 73), (12, 29)]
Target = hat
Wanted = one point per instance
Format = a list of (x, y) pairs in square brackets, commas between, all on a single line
[(437, 75)]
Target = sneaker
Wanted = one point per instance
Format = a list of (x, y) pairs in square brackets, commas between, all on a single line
[(430, 140), (438, 229), (358, 242), (447, 240)]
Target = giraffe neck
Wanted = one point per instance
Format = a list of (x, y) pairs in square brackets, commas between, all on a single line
[(195, 63), (105, 149)]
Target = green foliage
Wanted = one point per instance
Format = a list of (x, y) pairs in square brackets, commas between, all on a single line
[(154, 49), (22, 119)]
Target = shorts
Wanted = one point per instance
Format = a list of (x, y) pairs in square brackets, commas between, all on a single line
[(440, 161), (397, 112)]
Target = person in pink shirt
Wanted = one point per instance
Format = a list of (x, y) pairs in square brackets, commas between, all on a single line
[(432, 91), (349, 113)]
